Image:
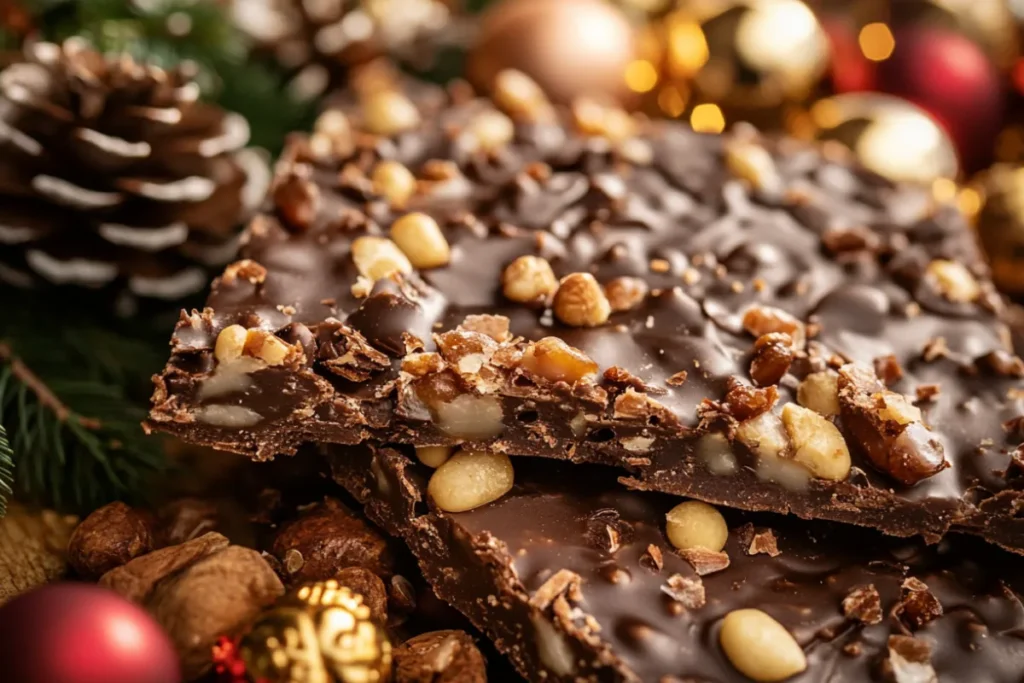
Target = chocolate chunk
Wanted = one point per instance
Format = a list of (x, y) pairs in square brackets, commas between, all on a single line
[(662, 264), (524, 572)]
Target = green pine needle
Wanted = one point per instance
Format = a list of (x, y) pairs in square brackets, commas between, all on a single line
[(6, 470)]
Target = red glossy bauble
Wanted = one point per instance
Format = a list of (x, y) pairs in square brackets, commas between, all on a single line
[(951, 78), (80, 633)]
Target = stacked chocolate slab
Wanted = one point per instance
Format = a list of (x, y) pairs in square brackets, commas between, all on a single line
[(756, 324)]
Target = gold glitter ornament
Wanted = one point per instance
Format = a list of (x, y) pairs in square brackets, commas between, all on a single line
[(888, 135), (1000, 224), (321, 633), (721, 61)]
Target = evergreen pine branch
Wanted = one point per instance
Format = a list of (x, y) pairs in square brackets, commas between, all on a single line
[(6, 470)]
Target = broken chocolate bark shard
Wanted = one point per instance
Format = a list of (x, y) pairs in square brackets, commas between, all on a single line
[(525, 571), (562, 293)]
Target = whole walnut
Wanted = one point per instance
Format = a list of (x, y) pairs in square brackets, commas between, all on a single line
[(198, 591), (327, 538), (110, 537), (439, 657)]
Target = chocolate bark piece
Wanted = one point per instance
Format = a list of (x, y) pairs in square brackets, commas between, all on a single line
[(581, 285), (563, 605)]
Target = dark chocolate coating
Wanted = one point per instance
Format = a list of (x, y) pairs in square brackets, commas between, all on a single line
[(844, 251), (490, 562)]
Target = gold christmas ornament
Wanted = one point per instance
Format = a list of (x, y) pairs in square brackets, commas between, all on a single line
[(720, 61), (321, 633), (888, 135), (571, 48), (1000, 224)]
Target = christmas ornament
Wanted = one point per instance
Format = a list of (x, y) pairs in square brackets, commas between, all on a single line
[(888, 135), (1000, 224), (113, 175), (322, 633), (319, 40), (80, 633), (951, 78), (571, 48), (720, 61)]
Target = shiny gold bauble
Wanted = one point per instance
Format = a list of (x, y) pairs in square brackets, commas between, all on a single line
[(321, 633), (571, 48), (744, 58), (1000, 224), (888, 135)]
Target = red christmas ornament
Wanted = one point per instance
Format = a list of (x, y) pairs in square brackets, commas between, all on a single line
[(949, 76), (80, 633)]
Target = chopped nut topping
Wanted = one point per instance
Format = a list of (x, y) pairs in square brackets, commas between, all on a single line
[(888, 369), (420, 238), (529, 280), (394, 182), (297, 199), (234, 341), (521, 97), (752, 162), (765, 436), (694, 524), (555, 361), (763, 542), (888, 427), (491, 130), (433, 456), (820, 392), (818, 444), (678, 379), (378, 257), (422, 364), (494, 326), (625, 293), (909, 660), (773, 354), (705, 561), (389, 112), (580, 301), (593, 118), (953, 280), (686, 590), (863, 604), (653, 558), (230, 343), (760, 647), (761, 320), (246, 269), (918, 605), (470, 479)]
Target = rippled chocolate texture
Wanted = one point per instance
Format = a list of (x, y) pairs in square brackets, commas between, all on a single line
[(561, 574), (725, 272)]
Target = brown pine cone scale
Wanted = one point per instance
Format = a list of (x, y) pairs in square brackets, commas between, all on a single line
[(113, 174)]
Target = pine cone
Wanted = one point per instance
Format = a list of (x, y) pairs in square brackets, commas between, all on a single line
[(113, 175), (320, 40)]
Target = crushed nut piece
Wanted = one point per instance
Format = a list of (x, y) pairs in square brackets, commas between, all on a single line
[(864, 604), (625, 293), (688, 591), (420, 238), (470, 479), (389, 112), (246, 269), (705, 561), (653, 558), (818, 444), (918, 605), (230, 343), (773, 354), (953, 280), (693, 524), (761, 320), (763, 542), (394, 182), (297, 199), (820, 392), (529, 280), (760, 647), (580, 301), (555, 361), (378, 257), (491, 130), (752, 162), (521, 97)]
